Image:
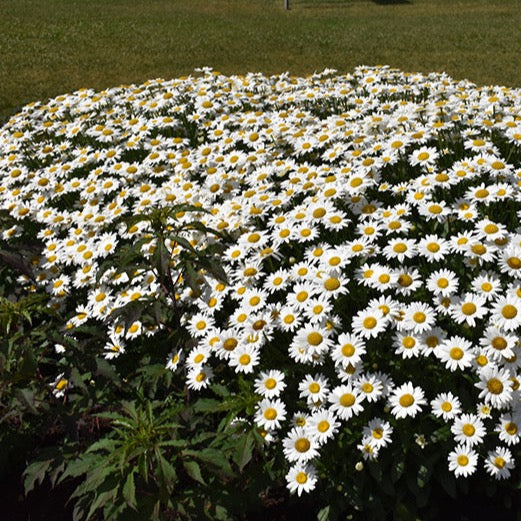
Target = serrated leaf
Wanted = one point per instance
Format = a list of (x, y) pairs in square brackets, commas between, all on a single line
[(194, 471), (206, 405), (220, 390), (77, 380), (35, 474), (100, 501), (244, 450), (78, 467), (129, 490), (168, 471), (26, 396)]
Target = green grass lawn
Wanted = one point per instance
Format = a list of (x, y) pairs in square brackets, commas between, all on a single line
[(48, 47)]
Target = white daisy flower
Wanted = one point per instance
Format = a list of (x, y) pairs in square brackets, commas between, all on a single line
[(446, 406), (349, 348), (468, 429), (506, 313), (496, 387), (443, 282), (406, 400), (301, 478), (378, 433), (499, 463), (314, 388), (370, 386), (244, 359), (346, 401), (369, 323), (419, 317), (456, 352), (270, 413), (463, 461), (299, 446), (199, 377), (270, 384), (509, 428), (469, 308), (322, 425)]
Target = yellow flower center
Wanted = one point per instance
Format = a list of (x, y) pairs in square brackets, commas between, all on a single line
[(405, 280), (419, 317), (514, 263), (314, 387), (469, 308), (495, 386), (406, 400), (378, 433), (198, 358), (348, 350), (456, 353), (481, 360), (369, 322), (347, 400), (367, 387), (230, 344), (301, 478), (509, 311), (332, 284), (446, 406), (499, 343), (463, 460), (270, 413), (499, 462), (270, 383), (400, 247), (443, 282), (468, 429), (478, 249), (315, 338), (511, 428), (302, 445), (486, 286), (491, 228), (408, 342), (245, 359), (323, 426), (433, 247), (61, 384), (302, 296)]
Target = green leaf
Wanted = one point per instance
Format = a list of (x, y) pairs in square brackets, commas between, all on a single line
[(194, 471), (77, 380), (101, 500), (220, 390), (215, 457), (35, 474), (26, 396), (244, 450), (129, 490), (323, 515), (207, 405), (78, 467), (168, 471), (221, 514)]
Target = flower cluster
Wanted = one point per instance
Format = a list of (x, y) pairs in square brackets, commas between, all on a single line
[(375, 225)]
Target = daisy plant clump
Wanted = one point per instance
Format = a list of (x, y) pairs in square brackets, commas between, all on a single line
[(369, 288)]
